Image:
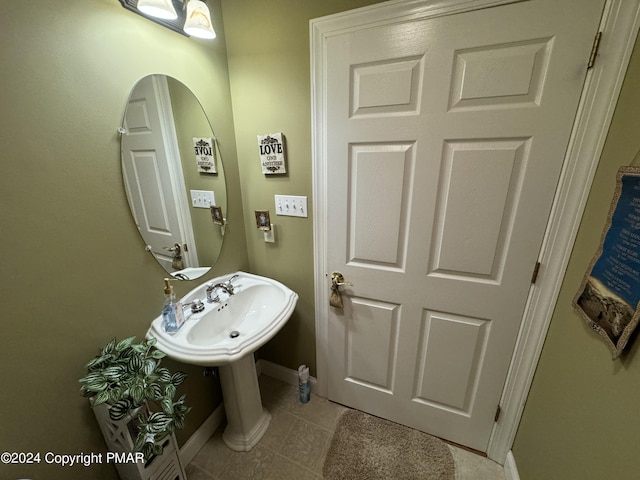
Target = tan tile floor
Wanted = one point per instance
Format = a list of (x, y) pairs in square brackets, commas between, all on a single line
[(296, 443)]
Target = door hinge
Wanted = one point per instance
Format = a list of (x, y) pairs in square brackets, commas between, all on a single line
[(594, 50), (536, 269), (498, 411)]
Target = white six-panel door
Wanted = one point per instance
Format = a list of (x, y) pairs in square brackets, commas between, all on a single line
[(150, 179), (445, 140)]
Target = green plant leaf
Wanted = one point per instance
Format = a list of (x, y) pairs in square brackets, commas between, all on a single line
[(97, 386), (115, 394), (178, 377), (158, 422), (91, 377), (114, 373), (164, 375), (97, 361), (167, 406), (139, 348), (151, 341), (135, 363), (153, 392), (178, 422), (120, 409), (149, 366), (109, 347), (102, 397), (124, 344), (170, 390), (158, 354), (137, 393), (156, 449)]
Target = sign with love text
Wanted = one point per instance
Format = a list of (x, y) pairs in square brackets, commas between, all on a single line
[(272, 157), (205, 151)]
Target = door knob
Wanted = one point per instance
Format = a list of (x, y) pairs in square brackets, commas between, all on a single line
[(337, 281)]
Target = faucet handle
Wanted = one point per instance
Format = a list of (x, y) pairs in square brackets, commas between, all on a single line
[(196, 306)]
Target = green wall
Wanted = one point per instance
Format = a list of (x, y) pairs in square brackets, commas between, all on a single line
[(190, 121), (74, 271), (581, 419), (269, 66)]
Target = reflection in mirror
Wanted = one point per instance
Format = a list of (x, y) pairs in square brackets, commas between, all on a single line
[(171, 177)]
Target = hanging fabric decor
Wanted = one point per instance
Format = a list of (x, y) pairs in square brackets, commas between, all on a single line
[(609, 296)]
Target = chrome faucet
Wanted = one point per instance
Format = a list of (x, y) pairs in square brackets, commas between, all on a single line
[(226, 286), (196, 306)]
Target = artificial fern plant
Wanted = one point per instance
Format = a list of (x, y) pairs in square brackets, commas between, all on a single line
[(126, 375)]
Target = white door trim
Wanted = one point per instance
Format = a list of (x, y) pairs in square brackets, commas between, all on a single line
[(174, 163), (620, 24)]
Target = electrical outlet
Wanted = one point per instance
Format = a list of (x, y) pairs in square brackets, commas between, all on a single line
[(202, 198), (291, 205)]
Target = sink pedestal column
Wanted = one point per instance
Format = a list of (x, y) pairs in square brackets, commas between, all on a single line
[(247, 420)]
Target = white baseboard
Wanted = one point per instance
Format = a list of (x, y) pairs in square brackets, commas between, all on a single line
[(283, 374), (196, 441), (510, 468)]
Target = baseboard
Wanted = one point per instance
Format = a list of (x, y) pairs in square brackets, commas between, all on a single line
[(196, 441), (284, 374), (510, 468)]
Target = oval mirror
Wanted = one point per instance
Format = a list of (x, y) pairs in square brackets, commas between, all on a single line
[(173, 176)]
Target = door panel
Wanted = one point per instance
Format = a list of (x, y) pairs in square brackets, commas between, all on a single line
[(445, 140), (480, 180), (375, 200), (147, 174)]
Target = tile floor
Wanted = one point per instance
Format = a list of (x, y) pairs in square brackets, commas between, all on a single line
[(296, 442)]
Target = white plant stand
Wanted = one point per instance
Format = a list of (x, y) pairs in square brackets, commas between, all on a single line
[(118, 436)]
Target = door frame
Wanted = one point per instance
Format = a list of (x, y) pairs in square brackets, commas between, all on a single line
[(176, 175), (620, 23)]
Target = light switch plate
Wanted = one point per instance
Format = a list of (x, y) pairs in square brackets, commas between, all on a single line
[(202, 198), (291, 205)]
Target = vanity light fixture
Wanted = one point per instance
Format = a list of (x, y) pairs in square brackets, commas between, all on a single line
[(188, 17), (158, 8)]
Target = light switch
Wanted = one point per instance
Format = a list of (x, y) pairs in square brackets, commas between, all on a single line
[(291, 205), (202, 198)]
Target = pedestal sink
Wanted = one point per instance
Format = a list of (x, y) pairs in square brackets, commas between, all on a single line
[(226, 334)]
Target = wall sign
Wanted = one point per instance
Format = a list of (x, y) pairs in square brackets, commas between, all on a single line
[(609, 296), (272, 157), (205, 151)]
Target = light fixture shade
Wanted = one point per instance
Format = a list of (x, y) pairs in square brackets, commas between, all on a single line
[(198, 22), (158, 8)]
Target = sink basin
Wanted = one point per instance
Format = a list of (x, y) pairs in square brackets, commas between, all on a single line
[(235, 326)]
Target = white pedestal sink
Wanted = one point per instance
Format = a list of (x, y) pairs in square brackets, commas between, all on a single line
[(226, 334)]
